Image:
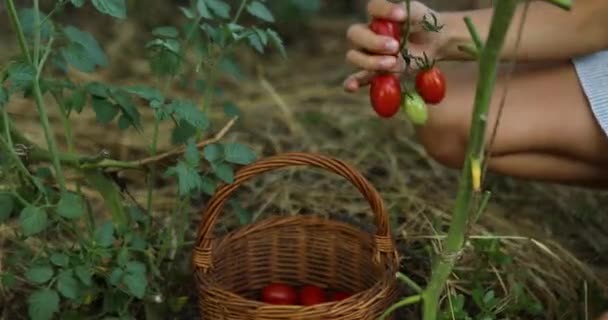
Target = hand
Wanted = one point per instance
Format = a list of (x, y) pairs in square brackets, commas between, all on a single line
[(374, 53)]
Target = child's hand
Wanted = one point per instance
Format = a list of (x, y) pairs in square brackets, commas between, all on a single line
[(372, 52)]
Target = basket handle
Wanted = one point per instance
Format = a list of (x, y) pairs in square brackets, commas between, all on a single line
[(215, 206)]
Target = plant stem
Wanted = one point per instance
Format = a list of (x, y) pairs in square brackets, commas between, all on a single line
[(36, 32), (489, 58), (411, 283), (239, 11), (44, 119), (564, 4), (12, 12), (152, 175), (405, 302), (13, 155)]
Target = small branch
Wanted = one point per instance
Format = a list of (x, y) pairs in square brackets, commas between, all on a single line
[(411, 283), (405, 302), (474, 33), (564, 4), (485, 198), (12, 12), (239, 11)]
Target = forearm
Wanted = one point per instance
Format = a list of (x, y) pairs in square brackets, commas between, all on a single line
[(549, 33)]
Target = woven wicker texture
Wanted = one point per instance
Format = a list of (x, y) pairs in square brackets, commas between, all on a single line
[(231, 271)]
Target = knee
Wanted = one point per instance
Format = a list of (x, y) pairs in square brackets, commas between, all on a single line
[(444, 144)]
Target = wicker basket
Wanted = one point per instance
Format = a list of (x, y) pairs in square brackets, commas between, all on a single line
[(231, 271)]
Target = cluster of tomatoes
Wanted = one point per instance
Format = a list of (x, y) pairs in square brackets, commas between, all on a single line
[(386, 92), (307, 295)]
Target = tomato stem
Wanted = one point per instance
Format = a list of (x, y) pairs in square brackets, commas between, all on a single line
[(454, 243), (564, 4), (474, 33)]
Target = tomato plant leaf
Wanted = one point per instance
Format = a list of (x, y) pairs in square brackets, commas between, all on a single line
[(260, 10), (166, 32), (203, 11), (104, 235), (83, 273), (77, 3), (105, 111), (255, 42), (188, 111), (224, 172), (7, 205), (187, 177), (33, 220), (3, 97), (187, 12), (67, 285), (136, 284), (277, 41), (116, 276), (71, 206), (213, 152), (238, 153), (182, 132), (26, 18), (21, 76), (135, 267), (114, 8), (128, 107), (39, 274), (91, 47), (77, 100), (208, 185), (231, 109), (219, 7), (76, 55), (111, 196), (43, 304), (191, 155), (147, 93), (59, 259)]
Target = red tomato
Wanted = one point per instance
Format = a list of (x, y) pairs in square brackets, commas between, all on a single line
[(279, 293), (310, 295), (386, 28), (385, 94), (338, 296), (430, 84)]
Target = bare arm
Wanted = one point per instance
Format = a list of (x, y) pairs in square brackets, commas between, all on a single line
[(549, 33)]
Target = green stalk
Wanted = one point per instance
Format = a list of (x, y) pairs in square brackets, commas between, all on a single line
[(239, 11), (12, 13), (489, 59), (564, 4), (44, 119), (152, 175)]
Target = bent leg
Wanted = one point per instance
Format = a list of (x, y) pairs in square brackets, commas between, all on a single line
[(547, 130)]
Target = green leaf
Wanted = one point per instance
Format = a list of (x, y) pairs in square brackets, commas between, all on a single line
[(224, 172), (136, 284), (187, 12), (116, 276), (3, 97), (71, 206), (202, 9), (67, 285), (33, 220), (91, 47), (208, 185), (166, 32), (98, 90), (259, 10), (77, 100), (212, 152), (77, 3), (105, 111), (114, 8), (277, 41), (104, 235), (43, 304), (262, 35), (21, 76), (165, 62), (111, 195), (231, 110), (182, 132), (76, 55), (83, 273), (255, 42), (7, 205), (145, 92), (188, 111), (128, 107), (238, 153), (60, 259), (136, 267), (26, 18), (187, 177), (219, 7), (191, 155), (39, 274)]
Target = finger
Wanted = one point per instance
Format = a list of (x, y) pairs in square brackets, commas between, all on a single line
[(371, 62), (361, 36), (387, 10), (358, 80)]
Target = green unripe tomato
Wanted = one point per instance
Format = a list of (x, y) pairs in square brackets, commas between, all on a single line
[(415, 108)]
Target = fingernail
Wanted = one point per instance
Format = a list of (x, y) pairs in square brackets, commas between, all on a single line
[(387, 62), (398, 14), (391, 45)]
